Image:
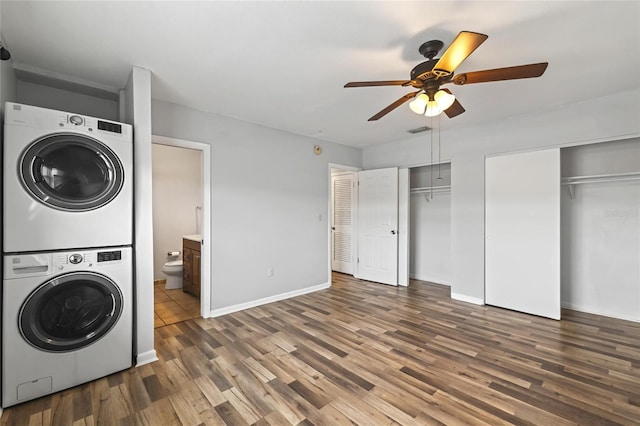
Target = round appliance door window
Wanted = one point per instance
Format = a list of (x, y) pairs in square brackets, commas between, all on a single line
[(71, 172), (70, 311)]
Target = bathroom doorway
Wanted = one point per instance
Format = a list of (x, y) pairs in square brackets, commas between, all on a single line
[(180, 178)]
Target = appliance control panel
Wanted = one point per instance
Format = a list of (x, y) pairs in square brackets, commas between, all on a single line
[(87, 260), (51, 263), (52, 120), (89, 124), (73, 260)]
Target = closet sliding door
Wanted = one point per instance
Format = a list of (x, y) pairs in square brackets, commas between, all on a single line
[(522, 232)]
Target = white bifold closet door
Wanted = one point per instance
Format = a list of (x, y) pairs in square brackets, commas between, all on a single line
[(342, 226), (522, 232), (378, 225)]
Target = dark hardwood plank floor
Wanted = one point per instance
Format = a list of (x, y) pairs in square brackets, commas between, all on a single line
[(368, 354)]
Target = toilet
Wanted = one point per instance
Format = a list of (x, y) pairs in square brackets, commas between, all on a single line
[(173, 271)]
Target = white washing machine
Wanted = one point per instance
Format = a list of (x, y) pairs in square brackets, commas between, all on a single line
[(66, 320), (67, 181)]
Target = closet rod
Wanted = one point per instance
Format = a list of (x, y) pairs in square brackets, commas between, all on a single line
[(442, 188), (616, 177)]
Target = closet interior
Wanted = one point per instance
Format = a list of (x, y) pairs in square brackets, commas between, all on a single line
[(600, 232), (430, 223)]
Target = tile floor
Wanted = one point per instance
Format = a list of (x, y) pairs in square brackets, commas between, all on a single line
[(171, 306)]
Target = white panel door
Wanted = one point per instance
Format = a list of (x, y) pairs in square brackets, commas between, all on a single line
[(378, 225), (342, 195), (522, 232)]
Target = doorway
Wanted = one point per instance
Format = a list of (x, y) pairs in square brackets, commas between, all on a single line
[(343, 192), (430, 223), (181, 231), (347, 210), (343, 201)]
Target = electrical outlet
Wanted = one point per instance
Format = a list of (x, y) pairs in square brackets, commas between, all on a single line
[(270, 271)]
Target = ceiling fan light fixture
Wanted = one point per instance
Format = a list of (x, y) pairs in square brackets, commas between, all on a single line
[(444, 99), (433, 109), (419, 103)]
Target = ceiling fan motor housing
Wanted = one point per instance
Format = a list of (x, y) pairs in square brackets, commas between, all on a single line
[(429, 50), (422, 70)]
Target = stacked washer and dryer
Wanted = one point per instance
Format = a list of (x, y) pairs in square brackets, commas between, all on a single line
[(67, 291)]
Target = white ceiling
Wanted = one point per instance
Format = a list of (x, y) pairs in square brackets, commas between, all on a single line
[(283, 64)]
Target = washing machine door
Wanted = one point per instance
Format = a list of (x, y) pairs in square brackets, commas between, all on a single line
[(70, 311), (71, 172)]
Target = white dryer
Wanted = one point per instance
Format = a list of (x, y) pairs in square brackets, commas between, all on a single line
[(67, 181), (66, 320)]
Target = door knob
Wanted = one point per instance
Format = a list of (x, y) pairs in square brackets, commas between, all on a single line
[(393, 232), (333, 228)]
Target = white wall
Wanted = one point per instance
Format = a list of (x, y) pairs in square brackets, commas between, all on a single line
[(269, 196), (64, 100), (602, 158), (8, 82), (430, 235), (601, 232), (430, 238), (177, 191), (613, 117)]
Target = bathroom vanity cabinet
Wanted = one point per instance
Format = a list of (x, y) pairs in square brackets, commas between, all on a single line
[(191, 266)]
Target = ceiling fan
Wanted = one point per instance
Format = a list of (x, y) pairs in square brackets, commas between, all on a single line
[(428, 76)]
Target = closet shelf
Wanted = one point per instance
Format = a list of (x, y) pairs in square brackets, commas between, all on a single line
[(614, 177)]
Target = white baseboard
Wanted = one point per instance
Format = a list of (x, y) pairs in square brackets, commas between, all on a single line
[(595, 311), (241, 306), (429, 279), (468, 299), (146, 358)]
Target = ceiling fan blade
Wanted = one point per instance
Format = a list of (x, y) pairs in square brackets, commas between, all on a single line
[(454, 110), (393, 106), (378, 83), (462, 46), (498, 74), (456, 107)]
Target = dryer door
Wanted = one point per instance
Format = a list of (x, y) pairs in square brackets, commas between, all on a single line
[(71, 172), (70, 311)]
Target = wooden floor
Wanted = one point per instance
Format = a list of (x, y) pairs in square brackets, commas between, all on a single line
[(368, 354)]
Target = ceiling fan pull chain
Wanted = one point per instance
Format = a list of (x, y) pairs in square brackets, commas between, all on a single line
[(431, 159), (439, 149)]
